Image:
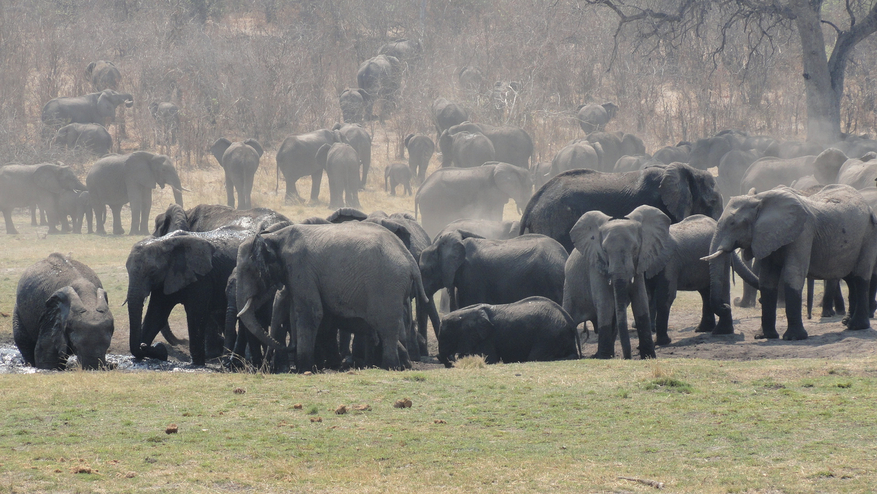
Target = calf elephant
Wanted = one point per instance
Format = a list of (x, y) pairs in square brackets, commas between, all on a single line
[(533, 329), (297, 157), (42, 184), (207, 217), (395, 175), (342, 168), (606, 273), (511, 144), (239, 161), (446, 114), (61, 309), (93, 138), (497, 230), (95, 108), (478, 193), (593, 117), (352, 102), (77, 205), (420, 151), (465, 149), (119, 179), (768, 172), (103, 74)]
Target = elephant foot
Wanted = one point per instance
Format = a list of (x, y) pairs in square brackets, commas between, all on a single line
[(858, 325), (705, 327), (603, 356), (54, 231), (157, 351), (828, 313), (120, 231), (662, 340), (793, 334), (767, 335), (724, 327), (745, 303)]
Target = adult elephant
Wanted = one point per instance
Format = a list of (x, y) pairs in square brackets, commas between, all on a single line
[(512, 144), (93, 138), (792, 149), (577, 154), (829, 235), (708, 152), (533, 329), (91, 108), (768, 172), (239, 161), (732, 169), (207, 217), (679, 153), (631, 145), (352, 101), (477, 270), (342, 167), (593, 117), (103, 74), (606, 273), (859, 173), (466, 149), (420, 150), (446, 114), (41, 184), (380, 78), (61, 309), (359, 138), (405, 50), (633, 163), (479, 193), (610, 145), (317, 264), (297, 158), (120, 179), (678, 190), (189, 268), (496, 230)]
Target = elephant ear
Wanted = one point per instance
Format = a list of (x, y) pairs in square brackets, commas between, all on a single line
[(676, 192), (398, 229), (346, 214), (611, 109), (218, 149), (188, 258), (781, 217), (322, 155), (173, 219), (46, 178), (586, 237), (105, 106), (481, 323), (452, 254), (256, 146), (408, 139), (139, 168), (828, 164), (513, 181), (655, 240), (90, 68), (52, 341)]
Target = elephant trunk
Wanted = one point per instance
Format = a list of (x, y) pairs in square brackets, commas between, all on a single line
[(247, 315), (622, 300), (720, 272), (135, 317), (178, 197)]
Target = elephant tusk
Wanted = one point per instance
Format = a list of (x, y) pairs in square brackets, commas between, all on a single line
[(713, 255), (246, 306), (184, 189)]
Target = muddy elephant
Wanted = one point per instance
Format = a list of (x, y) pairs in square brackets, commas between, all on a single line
[(769, 172), (420, 150), (120, 179), (61, 309), (93, 138), (40, 184), (206, 217), (98, 108), (103, 74), (593, 117), (239, 161), (352, 102)]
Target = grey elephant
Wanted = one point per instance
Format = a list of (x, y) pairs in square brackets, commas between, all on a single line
[(359, 138), (479, 193), (478, 270), (207, 217), (93, 138), (610, 145), (42, 184), (511, 144), (768, 172), (708, 152), (239, 161), (577, 154), (420, 150), (77, 205), (103, 74), (498, 230), (606, 273), (530, 330), (91, 108), (120, 179), (397, 174), (446, 114), (380, 77), (628, 163), (167, 121), (792, 149), (593, 117), (342, 168), (297, 158), (405, 50), (352, 101), (61, 309), (631, 144), (829, 235), (732, 168), (319, 261), (470, 79), (678, 190), (859, 173), (680, 153), (540, 172), (465, 149)]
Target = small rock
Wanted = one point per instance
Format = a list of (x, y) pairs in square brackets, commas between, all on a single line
[(239, 391), (439, 421), (341, 410), (316, 419), (362, 408), (403, 403), (171, 429), (130, 475), (298, 406)]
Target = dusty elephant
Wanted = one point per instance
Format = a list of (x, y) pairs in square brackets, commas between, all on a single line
[(91, 137), (352, 101), (593, 117), (41, 184), (92, 108), (342, 168), (239, 161), (420, 151), (207, 217), (103, 74)]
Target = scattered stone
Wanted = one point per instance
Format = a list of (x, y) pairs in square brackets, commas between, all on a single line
[(239, 391), (316, 419), (439, 421), (298, 406), (171, 429), (341, 410), (362, 408), (130, 475), (403, 403), (83, 469)]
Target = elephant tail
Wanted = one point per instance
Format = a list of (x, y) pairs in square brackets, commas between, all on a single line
[(170, 337)]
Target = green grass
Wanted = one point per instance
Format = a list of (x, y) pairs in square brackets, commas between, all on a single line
[(767, 426)]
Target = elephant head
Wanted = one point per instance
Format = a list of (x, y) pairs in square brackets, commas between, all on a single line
[(260, 271), (707, 153), (467, 331), (56, 178), (173, 219), (148, 170), (440, 262), (167, 264), (686, 191), (77, 321), (611, 109), (109, 100), (513, 181)]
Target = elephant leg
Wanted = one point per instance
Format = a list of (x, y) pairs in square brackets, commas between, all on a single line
[(100, 218), (768, 280), (810, 287), (145, 208), (639, 302), (390, 358), (872, 295), (117, 220), (292, 194), (606, 327), (135, 194), (707, 317), (7, 216), (229, 189), (859, 306), (89, 218), (316, 180), (157, 313), (196, 319), (796, 329), (52, 214), (839, 300), (33, 215), (307, 322), (659, 307)]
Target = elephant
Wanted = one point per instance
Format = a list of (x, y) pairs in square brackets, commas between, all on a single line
[(578, 154), (478, 193), (41, 184), (397, 174), (118, 179), (77, 204), (477, 270), (792, 149), (829, 235), (859, 173), (606, 273), (237, 340), (297, 157), (678, 190), (732, 168), (630, 163), (380, 78), (167, 120), (189, 268), (342, 167), (758, 144), (352, 101), (61, 309), (679, 153), (239, 161), (496, 230), (610, 146), (540, 172), (358, 137), (708, 152), (317, 264), (511, 144), (466, 149), (93, 138), (95, 108), (446, 114), (405, 50), (631, 145), (769, 172), (856, 146), (470, 79), (593, 117), (207, 217), (420, 151), (530, 330), (103, 74)]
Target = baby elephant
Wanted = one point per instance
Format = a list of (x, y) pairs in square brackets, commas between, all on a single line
[(397, 174), (533, 329)]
